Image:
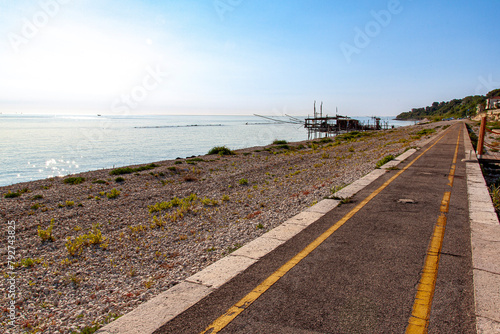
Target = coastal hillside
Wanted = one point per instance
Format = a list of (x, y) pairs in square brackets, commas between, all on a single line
[(457, 108)]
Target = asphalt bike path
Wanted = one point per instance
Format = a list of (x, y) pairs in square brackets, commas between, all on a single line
[(394, 258)]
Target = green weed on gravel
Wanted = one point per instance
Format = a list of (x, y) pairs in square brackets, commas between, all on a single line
[(424, 132), (178, 207), (92, 329), (495, 196), (353, 136), (94, 237), (384, 160), (46, 235), (114, 193), (175, 202), (29, 262)]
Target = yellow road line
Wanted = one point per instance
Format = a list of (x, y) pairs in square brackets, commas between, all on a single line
[(246, 301), (421, 311), (451, 176)]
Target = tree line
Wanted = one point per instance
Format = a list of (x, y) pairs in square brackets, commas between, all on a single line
[(457, 108)]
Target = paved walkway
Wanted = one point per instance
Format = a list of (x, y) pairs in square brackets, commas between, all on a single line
[(394, 257)]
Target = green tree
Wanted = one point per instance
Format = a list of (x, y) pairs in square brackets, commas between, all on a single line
[(493, 93)]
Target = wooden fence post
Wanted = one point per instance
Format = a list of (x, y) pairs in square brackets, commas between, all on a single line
[(480, 142)]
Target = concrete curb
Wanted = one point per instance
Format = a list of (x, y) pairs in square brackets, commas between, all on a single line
[(485, 242), (154, 313)]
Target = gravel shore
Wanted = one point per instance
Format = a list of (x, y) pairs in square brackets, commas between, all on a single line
[(88, 252)]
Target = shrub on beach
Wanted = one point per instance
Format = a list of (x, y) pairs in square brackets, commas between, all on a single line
[(74, 180), (18, 193), (130, 170), (279, 142), (12, 194), (284, 146), (221, 150)]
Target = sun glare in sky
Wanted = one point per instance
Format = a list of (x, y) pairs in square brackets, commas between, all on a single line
[(243, 57)]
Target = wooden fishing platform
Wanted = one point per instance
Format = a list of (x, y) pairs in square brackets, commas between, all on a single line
[(320, 126)]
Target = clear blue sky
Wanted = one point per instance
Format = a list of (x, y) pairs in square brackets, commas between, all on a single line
[(244, 56)]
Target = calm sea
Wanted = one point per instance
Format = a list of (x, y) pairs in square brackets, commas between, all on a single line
[(39, 146)]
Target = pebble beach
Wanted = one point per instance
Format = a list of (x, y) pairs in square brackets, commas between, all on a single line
[(93, 246)]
